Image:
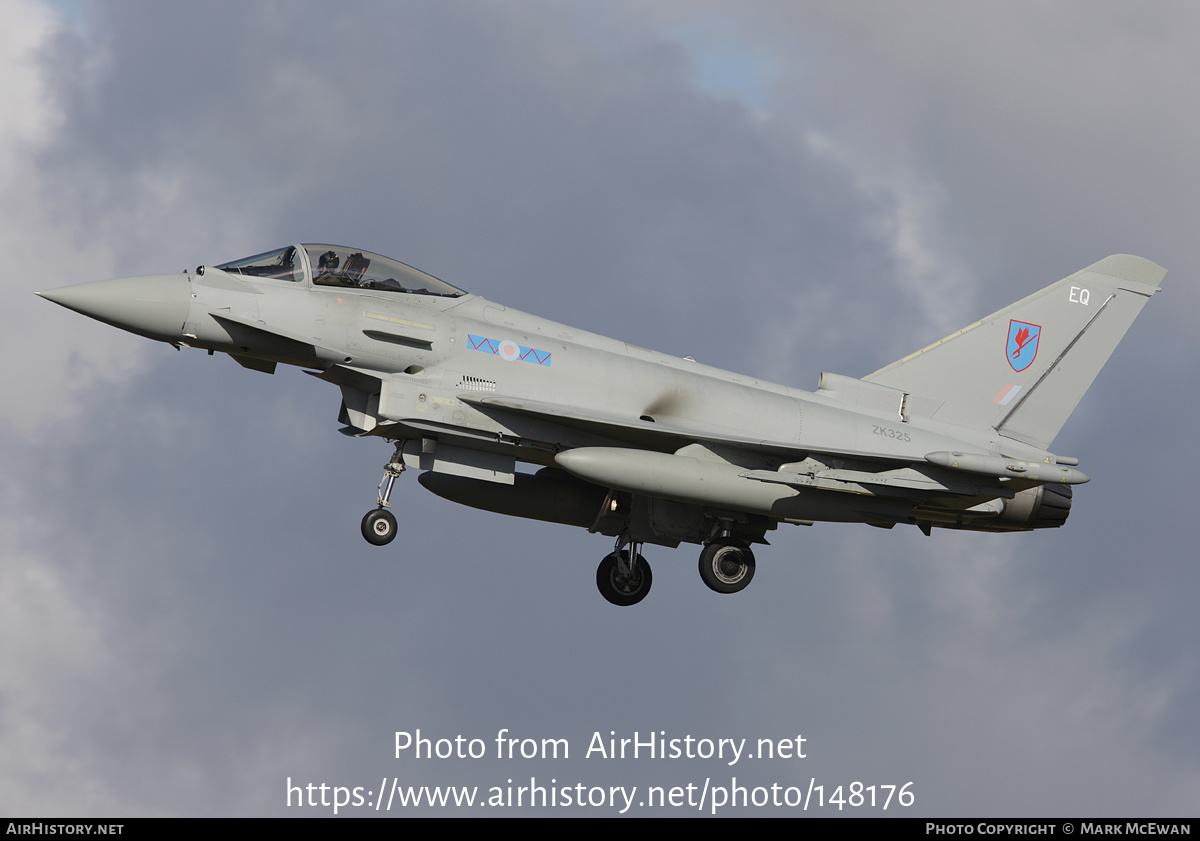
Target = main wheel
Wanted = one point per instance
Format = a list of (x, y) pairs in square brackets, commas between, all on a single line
[(379, 526), (621, 589), (727, 565)]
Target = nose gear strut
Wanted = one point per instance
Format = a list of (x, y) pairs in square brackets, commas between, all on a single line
[(379, 526), (391, 472)]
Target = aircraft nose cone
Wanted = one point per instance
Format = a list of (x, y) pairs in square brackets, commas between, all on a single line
[(154, 306)]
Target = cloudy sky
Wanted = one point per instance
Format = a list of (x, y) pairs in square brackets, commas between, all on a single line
[(190, 616)]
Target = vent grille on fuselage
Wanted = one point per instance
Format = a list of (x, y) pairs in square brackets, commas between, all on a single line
[(468, 383)]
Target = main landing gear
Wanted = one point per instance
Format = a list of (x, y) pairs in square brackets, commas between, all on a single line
[(726, 565), (379, 525), (624, 577)]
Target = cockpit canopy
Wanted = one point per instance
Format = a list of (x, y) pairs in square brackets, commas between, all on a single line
[(336, 265)]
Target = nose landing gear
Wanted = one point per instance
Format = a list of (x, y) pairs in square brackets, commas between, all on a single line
[(379, 526)]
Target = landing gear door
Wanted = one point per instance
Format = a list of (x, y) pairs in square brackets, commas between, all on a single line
[(429, 454)]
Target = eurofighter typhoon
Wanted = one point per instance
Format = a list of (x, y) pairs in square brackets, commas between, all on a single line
[(643, 447)]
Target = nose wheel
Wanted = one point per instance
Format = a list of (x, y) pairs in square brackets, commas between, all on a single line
[(379, 526)]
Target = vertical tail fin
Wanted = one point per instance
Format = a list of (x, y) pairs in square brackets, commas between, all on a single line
[(1023, 370)]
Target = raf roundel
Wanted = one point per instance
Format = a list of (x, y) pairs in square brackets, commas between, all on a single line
[(508, 350)]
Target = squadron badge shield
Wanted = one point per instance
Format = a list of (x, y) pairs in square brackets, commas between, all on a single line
[(1022, 344)]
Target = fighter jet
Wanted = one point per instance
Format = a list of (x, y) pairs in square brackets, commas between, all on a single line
[(643, 447)]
